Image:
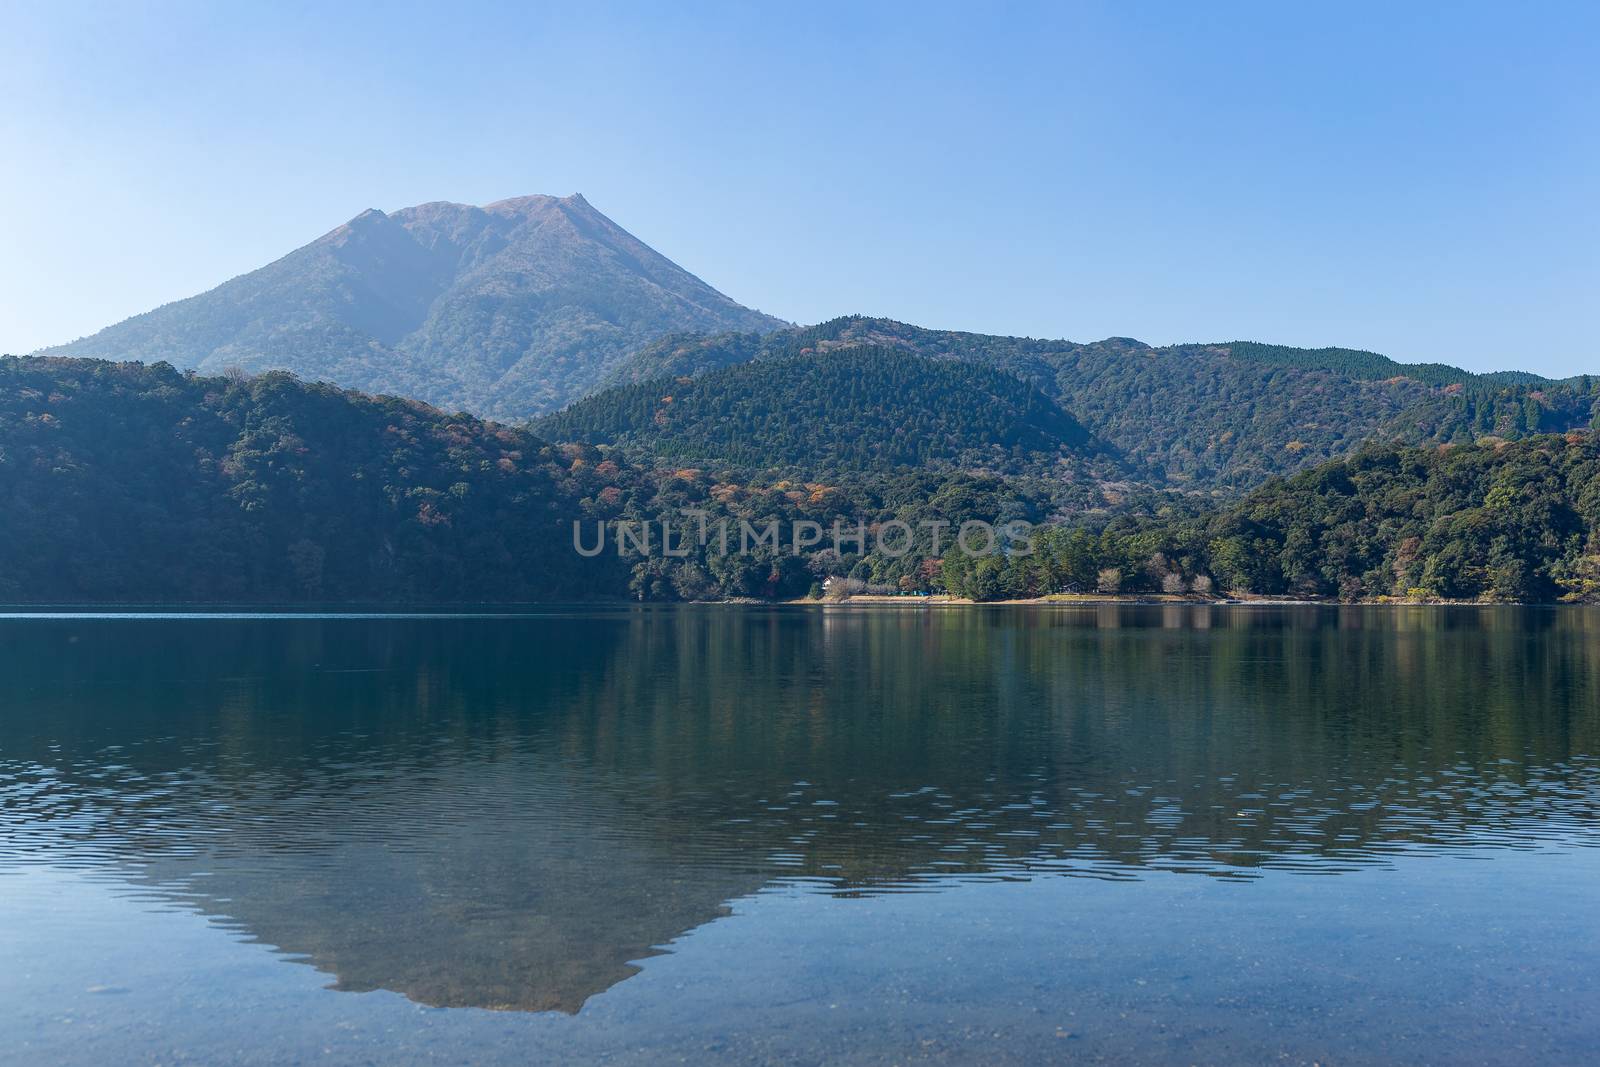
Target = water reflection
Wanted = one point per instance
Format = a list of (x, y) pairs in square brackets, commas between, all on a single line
[(506, 813)]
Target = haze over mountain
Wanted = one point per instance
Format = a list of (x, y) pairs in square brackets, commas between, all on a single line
[(507, 310)]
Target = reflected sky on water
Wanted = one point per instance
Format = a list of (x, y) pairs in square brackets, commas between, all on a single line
[(746, 833)]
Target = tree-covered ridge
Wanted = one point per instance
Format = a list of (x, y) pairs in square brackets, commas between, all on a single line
[(862, 409), (1208, 417), (1359, 363), (126, 482), (1485, 407), (685, 355), (1509, 521), (1506, 521), (131, 483)]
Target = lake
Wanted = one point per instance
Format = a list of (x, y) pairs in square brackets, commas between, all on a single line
[(742, 834)]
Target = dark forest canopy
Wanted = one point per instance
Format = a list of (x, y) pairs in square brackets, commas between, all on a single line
[(125, 483), (862, 409), (1509, 521)]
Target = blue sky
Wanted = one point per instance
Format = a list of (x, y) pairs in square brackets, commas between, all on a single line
[(1419, 180)]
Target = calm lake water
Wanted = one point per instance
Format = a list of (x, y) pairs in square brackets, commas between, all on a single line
[(731, 834)]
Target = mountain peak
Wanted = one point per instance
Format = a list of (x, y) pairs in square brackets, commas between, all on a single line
[(368, 222), (507, 310)]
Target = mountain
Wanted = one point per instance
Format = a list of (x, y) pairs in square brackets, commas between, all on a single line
[(1215, 417), (505, 310), (863, 409)]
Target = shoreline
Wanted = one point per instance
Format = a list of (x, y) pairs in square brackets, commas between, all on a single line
[(1147, 600), (351, 609)]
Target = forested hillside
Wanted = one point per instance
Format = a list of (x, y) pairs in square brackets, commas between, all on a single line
[(684, 355), (1222, 417), (1509, 521), (1358, 363), (127, 483), (865, 409), (124, 483)]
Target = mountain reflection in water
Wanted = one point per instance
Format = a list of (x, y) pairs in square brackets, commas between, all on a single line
[(507, 812)]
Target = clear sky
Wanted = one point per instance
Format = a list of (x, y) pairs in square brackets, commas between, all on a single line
[(1422, 180)]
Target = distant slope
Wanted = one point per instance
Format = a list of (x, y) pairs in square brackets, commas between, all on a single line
[(506, 310), (1215, 417), (1358, 363), (862, 409), (682, 355)]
